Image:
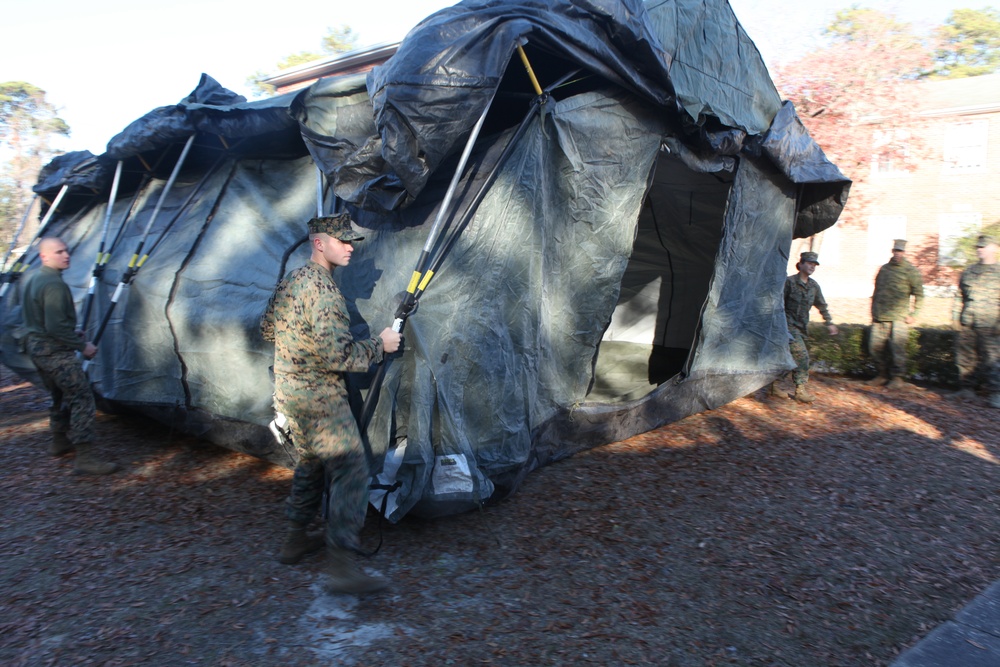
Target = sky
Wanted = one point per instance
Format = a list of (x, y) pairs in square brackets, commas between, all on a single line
[(104, 63)]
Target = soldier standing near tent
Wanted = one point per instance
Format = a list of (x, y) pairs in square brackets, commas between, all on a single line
[(52, 343), (977, 351), (801, 294), (308, 321), (895, 283)]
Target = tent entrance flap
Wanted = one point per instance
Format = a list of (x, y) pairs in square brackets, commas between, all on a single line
[(666, 282)]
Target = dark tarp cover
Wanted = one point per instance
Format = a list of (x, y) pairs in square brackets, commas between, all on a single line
[(623, 271)]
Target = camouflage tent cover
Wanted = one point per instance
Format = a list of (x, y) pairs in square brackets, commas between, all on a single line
[(623, 270)]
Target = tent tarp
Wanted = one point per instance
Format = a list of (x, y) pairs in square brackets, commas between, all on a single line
[(622, 271)]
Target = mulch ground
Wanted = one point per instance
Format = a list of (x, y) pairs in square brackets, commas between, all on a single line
[(762, 533)]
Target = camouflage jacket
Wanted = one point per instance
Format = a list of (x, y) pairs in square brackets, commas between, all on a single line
[(800, 297), (979, 289), (48, 309), (894, 285), (308, 321)]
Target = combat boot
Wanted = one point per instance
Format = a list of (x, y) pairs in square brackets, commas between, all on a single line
[(802, 394), (775, 391), (60, 444), (896, 383), (298, 543), (344, 576), (88, 464), (877, 381)]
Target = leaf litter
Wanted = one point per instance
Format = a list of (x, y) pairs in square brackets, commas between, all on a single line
[(764, 533)]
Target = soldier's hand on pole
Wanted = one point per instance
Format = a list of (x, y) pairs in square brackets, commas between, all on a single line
[(391, 340), (832, 328), (89, 350)]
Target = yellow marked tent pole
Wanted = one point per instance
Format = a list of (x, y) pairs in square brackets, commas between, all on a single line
[(531, 72)]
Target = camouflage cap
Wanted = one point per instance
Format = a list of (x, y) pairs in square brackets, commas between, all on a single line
[(809, 257), (899, 244), (985, 240), (337, 226)]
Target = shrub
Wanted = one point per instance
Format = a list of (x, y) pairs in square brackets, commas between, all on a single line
[(930, 353)]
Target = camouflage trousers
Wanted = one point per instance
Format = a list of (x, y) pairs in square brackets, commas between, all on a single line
[(977, 355), (800, 353), (72, 410), (887, 346), (331, 459)]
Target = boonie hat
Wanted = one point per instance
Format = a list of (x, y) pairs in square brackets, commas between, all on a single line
[(337, 226)]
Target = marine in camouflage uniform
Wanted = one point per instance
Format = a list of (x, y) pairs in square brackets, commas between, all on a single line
[(802, 293), (308, 321), (52, 342), (896, 282), (977, 352)]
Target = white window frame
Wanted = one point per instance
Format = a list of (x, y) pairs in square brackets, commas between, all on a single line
[(965, 148), (952, 227), (882, 231), (890, 152)]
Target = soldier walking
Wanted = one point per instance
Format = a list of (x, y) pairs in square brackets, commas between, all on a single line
[(52, 342), (308, 321), (802, 293), (893, 311), (977, 351)]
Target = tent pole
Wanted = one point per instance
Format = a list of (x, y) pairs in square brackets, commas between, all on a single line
[(8, 277), (427, 268), (527, 66), (135, 263), (21, 266), (17, 235), (319, 192), (98, 268)]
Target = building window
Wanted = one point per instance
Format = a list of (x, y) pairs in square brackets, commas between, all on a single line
[(951, 228), (882, 230), (965, 146), (890, 152), (829, 247)]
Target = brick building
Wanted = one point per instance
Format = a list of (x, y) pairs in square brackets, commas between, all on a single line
[(950, 192)]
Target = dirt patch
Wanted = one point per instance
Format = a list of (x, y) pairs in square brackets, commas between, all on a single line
[(762, 533)]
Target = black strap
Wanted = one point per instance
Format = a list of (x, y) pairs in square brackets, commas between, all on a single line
[(388, 488)]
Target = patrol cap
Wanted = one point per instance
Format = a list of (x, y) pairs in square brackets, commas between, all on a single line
[(809, 257), (899, 244), (984, 240), (337, 226)]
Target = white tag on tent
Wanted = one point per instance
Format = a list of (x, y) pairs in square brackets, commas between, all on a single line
[(451, 475)]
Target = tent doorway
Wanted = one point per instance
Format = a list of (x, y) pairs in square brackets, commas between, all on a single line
[(666, 282)]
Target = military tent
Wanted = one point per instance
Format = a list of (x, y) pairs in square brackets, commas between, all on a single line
[(610, 258)]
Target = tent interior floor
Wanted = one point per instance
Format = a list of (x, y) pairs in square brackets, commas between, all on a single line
[(629, 371)]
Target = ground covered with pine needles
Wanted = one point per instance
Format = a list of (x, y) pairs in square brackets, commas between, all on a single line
[(763, 533)]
